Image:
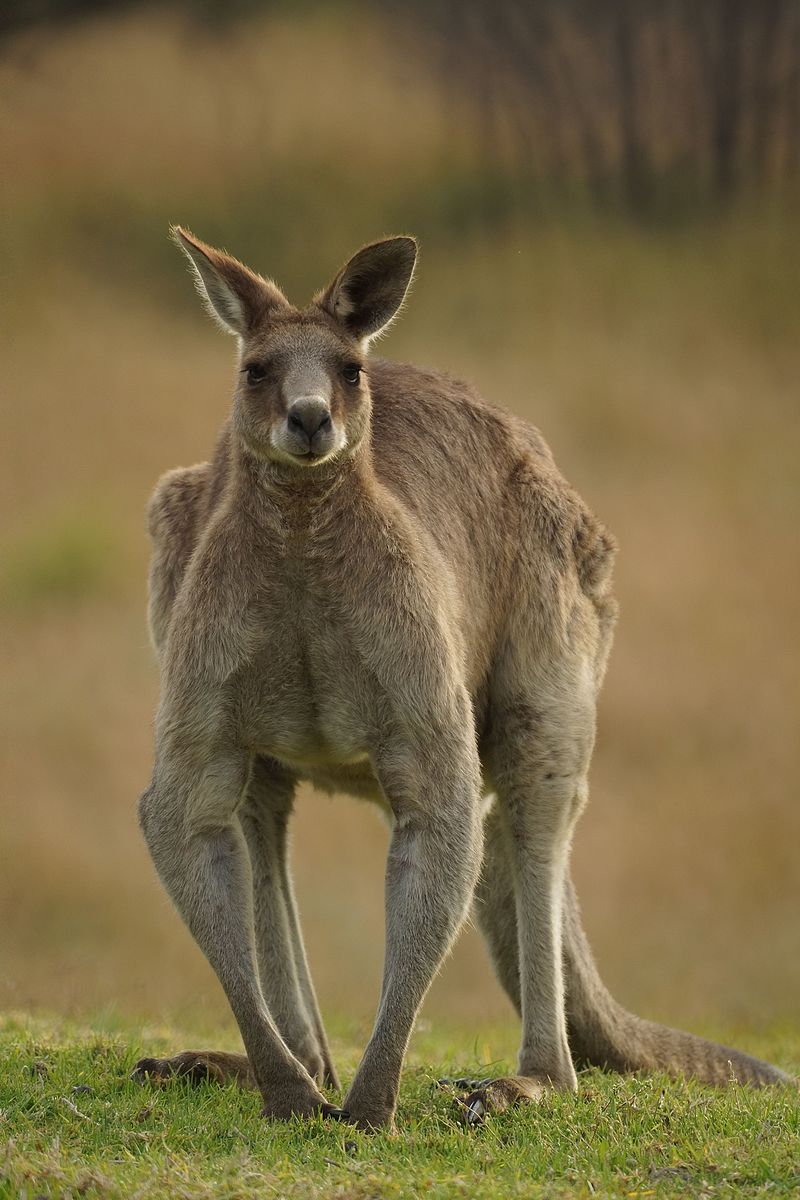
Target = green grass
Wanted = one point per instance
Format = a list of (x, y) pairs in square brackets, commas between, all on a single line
[(73, 1124)]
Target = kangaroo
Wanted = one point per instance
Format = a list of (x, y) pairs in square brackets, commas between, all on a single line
[(381, 584)]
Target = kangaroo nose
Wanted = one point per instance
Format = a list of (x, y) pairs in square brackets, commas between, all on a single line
[(309, 415)]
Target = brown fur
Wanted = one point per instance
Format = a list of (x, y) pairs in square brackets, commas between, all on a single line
[(382, 585)]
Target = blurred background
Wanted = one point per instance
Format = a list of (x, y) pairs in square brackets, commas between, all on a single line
[(607, 201)]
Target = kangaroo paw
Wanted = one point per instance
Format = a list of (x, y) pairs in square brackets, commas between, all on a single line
[(463, 1083), (196, 1066), (496, 1095)]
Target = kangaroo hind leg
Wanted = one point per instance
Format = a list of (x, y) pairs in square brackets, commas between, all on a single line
[(282, 965), (538, 759), (282, 962)]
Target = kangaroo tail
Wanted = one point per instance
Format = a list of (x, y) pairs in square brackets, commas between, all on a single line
[(604, 1034)]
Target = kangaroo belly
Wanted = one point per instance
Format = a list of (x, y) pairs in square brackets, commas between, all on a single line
[(312, 747), (308, 699)]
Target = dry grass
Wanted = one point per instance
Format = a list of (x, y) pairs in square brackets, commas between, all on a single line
[(662, 366)]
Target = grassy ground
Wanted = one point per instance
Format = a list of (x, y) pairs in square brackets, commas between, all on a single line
[(660, 362), (72, 1123)]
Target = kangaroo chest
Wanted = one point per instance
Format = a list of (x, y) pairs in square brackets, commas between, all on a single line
[(327, 645), (310, 690), (307, 696)]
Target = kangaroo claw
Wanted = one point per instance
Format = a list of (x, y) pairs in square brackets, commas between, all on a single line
[(336, 1114), (474, 1110)]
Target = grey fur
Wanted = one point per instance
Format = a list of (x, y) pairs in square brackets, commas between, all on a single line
[(414, 608)]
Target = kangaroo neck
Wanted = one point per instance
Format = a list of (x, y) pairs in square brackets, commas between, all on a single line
[(301, 498)]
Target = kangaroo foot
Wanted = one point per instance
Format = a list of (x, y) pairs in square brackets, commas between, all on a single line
[(464, 1083), (370, 1108), (489, 1096), (197, 1066), (283, 1103), (369, 1120)]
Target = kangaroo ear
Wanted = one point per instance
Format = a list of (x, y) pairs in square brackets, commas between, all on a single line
[(367, 293), (235, 296)]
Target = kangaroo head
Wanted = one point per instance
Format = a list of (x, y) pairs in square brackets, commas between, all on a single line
[(302, 391)]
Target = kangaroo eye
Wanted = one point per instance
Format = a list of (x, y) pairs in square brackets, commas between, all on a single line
[(255, 373), (351, 373)]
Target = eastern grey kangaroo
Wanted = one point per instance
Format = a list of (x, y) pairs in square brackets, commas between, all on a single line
[(381, 584)]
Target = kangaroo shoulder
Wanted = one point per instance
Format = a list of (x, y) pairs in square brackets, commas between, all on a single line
[(176, 516), (177, 503)]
